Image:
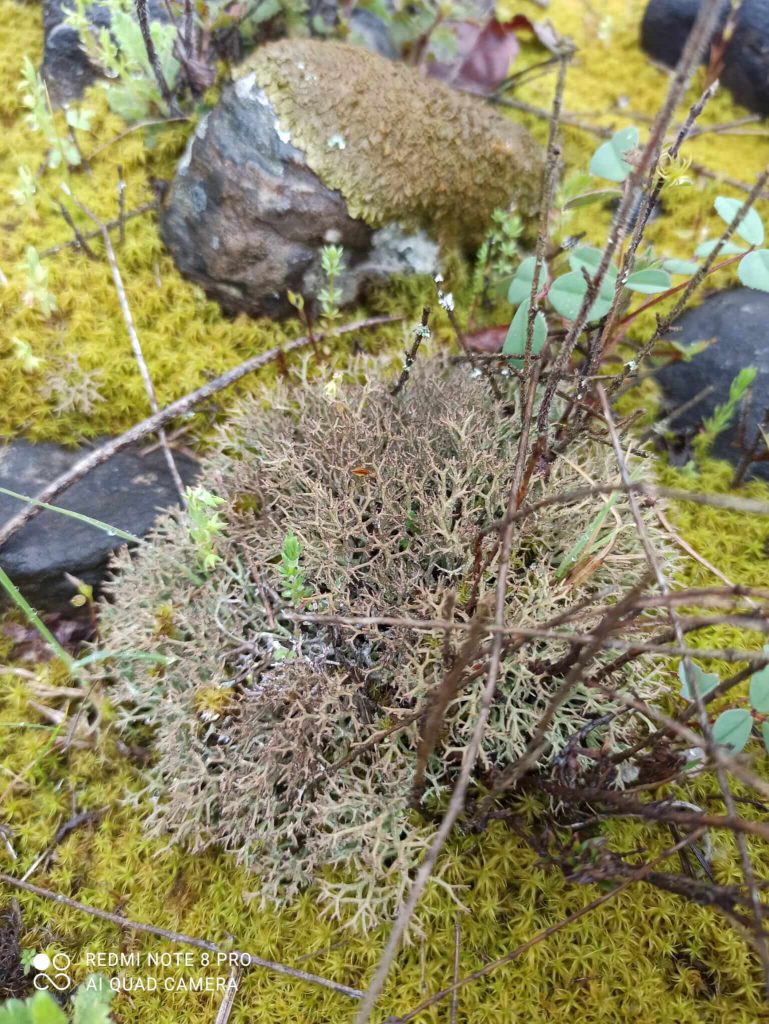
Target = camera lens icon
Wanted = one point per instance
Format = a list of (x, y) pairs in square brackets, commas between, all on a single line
[(52, 971)]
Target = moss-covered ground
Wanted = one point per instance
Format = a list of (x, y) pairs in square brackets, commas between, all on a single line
[(644, 956)]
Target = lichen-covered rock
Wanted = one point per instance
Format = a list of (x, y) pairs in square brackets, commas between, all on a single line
[(397, 146), (667, 23), (319, 143), (255, 714)]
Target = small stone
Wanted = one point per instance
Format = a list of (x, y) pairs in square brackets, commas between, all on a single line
[(666, 25), (738, 320), (128, 491)]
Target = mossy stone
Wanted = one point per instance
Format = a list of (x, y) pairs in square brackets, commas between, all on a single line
[(398, 147)]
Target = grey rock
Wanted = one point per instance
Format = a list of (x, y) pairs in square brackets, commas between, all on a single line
[(246, 218), (739, 321), (667, 23), (127, 491), (66, 67)]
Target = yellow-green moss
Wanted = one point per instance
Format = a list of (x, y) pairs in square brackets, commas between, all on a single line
[(645, 956), (186, 339), (397, 146)]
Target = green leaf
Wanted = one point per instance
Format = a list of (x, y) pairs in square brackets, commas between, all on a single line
[(126, 103), (520, 286), (515, 342), (704, 681), (14, 1011), (753, 270), (589, 257), (43, 1009), (598, 195), (750, 227), (608, 160), (572, 556), (681, 268), (648, 282), (688, 352), (91, 1002), (759, 691), (567, 292), (732, 728), (765, 735), (727, 249)]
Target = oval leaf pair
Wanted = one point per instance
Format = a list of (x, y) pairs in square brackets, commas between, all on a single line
[(750, 227), (732, 728), (648, 282), (515, 342), (753, 270), (759, 691), (520, 286), (609, 159), (704, 681), (568, 292)]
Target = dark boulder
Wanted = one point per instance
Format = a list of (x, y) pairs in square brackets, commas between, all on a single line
[(667, 23), (312, 146), (246, 217), (127, 491), (738, 320)]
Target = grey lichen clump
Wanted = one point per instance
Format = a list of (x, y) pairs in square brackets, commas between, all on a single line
[(256, 716), (398, 147)]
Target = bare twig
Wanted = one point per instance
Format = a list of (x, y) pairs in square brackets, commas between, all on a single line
[(443, 694), (65, 829), (188, 940), (709, 745), (698, 39), (152, 56), (552, 160), (136, 347), (110, 225), (80, 241), (225, 1007), (457, 800), (178, 408), (421, 332), (454, 1011)]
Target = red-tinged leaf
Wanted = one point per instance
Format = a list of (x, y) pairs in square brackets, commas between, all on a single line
[(487, 339), (484, 55)]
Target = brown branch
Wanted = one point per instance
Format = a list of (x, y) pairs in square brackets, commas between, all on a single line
[(110, 225), (130, 326), (420, 333), (439, 698), (552, 160), (533, 633), (696, 43), (537, 743), (709, 744), (152, 56)]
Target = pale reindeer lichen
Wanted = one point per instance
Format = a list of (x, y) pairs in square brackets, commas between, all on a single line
[(382, 498)]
